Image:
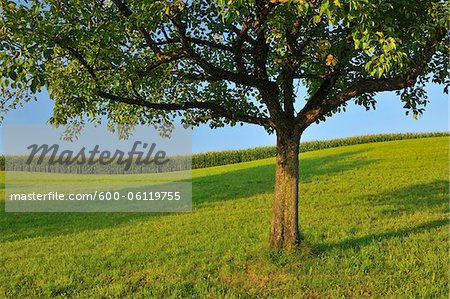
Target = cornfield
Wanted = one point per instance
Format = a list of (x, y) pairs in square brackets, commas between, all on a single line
[(210, 159)]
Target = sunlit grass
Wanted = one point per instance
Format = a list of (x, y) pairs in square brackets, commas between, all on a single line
[(374, 219)]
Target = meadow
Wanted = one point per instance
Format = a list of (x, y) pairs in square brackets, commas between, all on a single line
[(373, 217)]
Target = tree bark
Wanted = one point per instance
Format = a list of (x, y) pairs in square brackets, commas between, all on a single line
[(284, 229)]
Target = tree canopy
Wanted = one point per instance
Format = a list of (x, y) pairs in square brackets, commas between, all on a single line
[(221, 61)]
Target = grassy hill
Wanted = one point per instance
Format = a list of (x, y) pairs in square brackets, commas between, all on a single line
[(374, 218)]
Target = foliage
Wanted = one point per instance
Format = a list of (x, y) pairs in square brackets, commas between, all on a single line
[(375, 217), (218, 61)]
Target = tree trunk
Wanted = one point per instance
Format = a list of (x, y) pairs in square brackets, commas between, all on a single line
[(284, 229)]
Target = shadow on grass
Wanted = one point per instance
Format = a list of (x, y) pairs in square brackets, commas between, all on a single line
[(414, 198), (367, 240), (410, 199), (231, 185)]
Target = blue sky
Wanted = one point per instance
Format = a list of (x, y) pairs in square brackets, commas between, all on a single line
[(389, 117)]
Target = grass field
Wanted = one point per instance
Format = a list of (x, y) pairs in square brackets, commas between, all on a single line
[(374, 219)]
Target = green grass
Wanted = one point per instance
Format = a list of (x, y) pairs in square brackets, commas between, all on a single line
[(374, 219), (210, 159)]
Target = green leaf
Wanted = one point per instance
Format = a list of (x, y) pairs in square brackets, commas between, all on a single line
[(48, 53), (317, 19), (324, 7), (13, 75), (34, 85)]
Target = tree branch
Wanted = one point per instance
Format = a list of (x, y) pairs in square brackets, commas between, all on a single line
[(287, 77), (163, 59), (202, 42), (218, 111), (216, 73), (270, 92), (310, 76), (322, 105), (126, 12)]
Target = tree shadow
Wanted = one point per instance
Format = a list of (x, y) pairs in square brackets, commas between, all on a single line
[(368, 239), (413, 198), (236, 184), (431, 197)]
